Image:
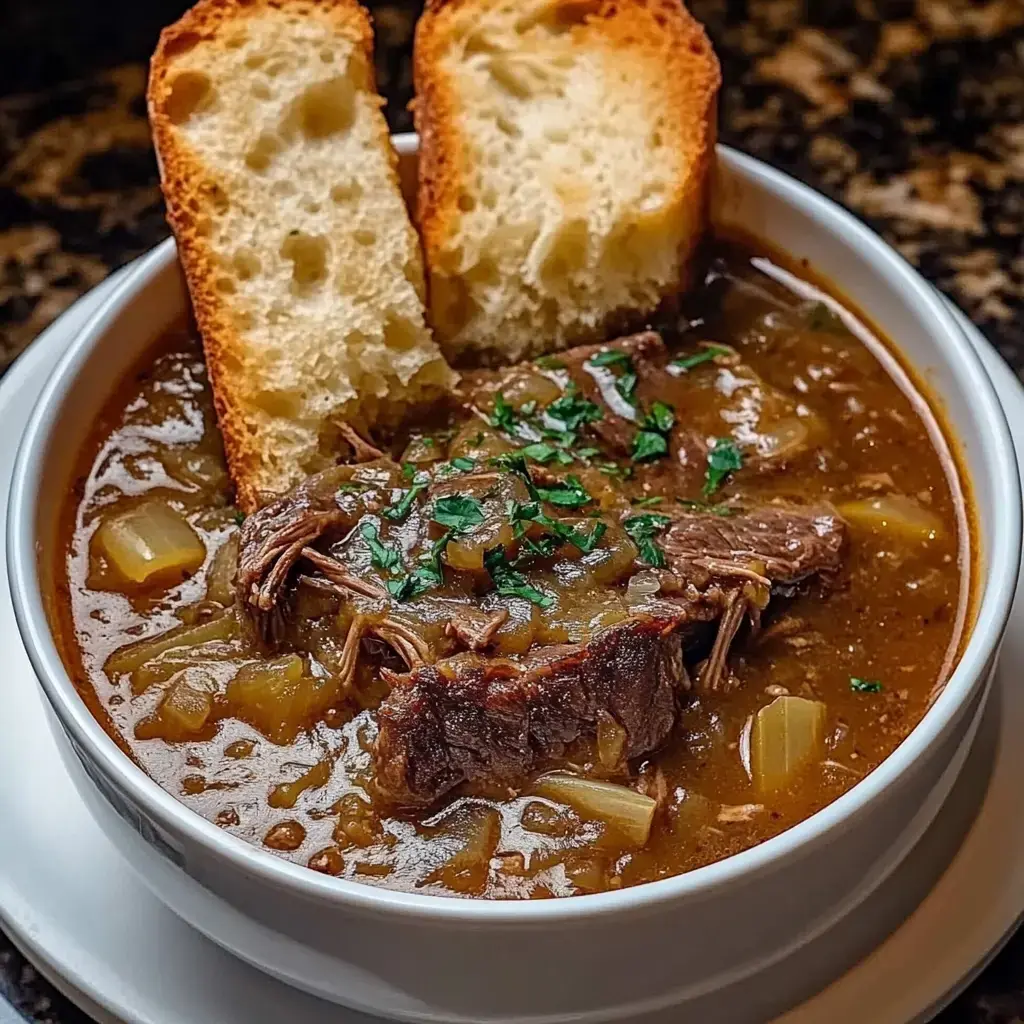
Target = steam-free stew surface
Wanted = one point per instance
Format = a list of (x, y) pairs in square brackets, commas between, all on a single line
[(869, 649)]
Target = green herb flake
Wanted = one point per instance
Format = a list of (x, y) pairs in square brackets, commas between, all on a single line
[(458, 512), (400, 510), (409, 471), (649, 502), (661, 417), (514, 462), (821, 318), (610, 357), (239, 518), (352, 488), (587, 453), (705, 355), (503, 416), (643, 529), (649, 445), (626, 387), (522, 514), (510, 583), (463, 464), (567, 493), (549, 363), (572, 411), (723, 458), (382, 556), (426, 576), (865, 685)]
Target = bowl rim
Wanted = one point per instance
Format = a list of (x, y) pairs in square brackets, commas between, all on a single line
[(184, 824)]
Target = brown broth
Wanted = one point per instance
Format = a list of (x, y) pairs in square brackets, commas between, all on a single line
[(896, 616)]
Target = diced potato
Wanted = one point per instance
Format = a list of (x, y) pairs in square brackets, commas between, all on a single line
[(185, 710), (466, 553), (421, 451), (129, 658), (277, 698), (468, 868), (895, 515), (160, 669), (627, 811), (150, 543), (787, 736), (197, 469)]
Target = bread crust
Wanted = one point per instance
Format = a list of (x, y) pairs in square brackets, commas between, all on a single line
[(659, 36), (191, 190)]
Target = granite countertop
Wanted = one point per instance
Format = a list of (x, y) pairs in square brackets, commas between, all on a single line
[(909, 112)]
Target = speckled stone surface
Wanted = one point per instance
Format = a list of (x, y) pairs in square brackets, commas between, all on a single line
[(909, 112)]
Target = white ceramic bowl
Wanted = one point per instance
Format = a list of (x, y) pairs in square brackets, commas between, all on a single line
[(700, 939)]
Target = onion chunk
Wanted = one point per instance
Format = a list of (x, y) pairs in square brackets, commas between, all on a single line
[(788, 735), (150, 543), (627, 811)]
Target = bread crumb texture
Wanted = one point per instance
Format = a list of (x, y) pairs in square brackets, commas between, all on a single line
[(304, 269), (565, 163)]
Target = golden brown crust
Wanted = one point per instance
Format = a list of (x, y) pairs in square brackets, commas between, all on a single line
[(191, 192), (658, 38)]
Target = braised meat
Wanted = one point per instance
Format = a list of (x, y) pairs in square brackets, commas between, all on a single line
[(494, 719)]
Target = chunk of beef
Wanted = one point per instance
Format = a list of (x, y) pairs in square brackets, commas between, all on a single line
[(785, 543), (495, 719)]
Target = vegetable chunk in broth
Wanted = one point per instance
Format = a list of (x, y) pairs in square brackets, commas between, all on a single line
[(603, 618)]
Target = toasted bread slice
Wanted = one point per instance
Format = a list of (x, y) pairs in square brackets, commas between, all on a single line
[(304, 269), (565, 165)]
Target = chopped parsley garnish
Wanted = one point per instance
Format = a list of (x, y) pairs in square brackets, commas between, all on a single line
[(567, 493), (865, 685), (463, 464), (685, 363), (651, 440), (662, 418), (549, 363), (427, 575), (648, 445), (239, 518), (514, 462), (543, 453), (382, 556), (626, 386), (702, 506), (458, 512), (587, 453), (352, 488), (409, 471), (625, 383), (503, 416), (427, 442), (572, 411), (610, 357), (723, 458), (643, 529), (821, 318), (509, 582), (397, 512), (613, 469), (648, 502), (521, 514)]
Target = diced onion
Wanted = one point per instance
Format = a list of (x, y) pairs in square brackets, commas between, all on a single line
[(611, 741), (132, 656), (787, 736), (893, 514), (642, 586), (184, 711), (150, 542), (627, 811)]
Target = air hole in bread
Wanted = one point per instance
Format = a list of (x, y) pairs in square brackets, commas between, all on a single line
[(255, 61), (326, 108), (308, 256), (490, 199), (400, 334), (365, 236), (261, 90), (284, 188), (346, 193), (246, 264), (555, 133), (696, 46), (311, 206), (190, 92), (656, 139), (181, 43), (236, 40), (466, 202), (276, 67), (587, 156), (507, 126), (218, 199), (225, 285), (262, 151), (327, 56)]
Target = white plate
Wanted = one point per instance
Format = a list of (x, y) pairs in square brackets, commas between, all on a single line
[(70, 902)]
